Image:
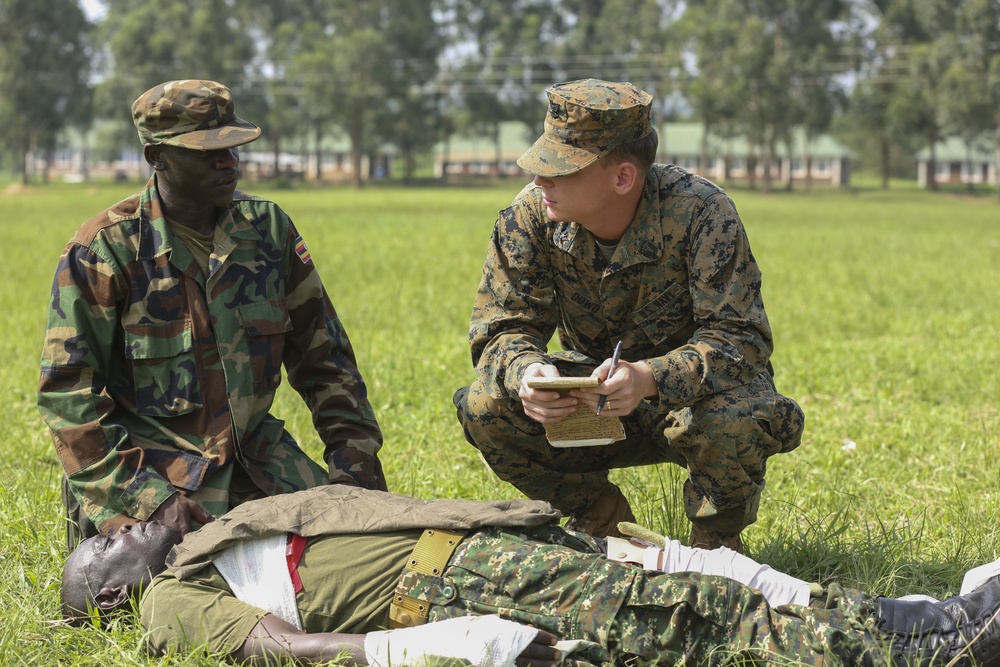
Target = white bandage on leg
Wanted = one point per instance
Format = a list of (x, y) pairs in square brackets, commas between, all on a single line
[(778, 588), (482, 641)]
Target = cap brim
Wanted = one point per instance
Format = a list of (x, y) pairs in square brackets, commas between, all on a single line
[(230, 135), (552, 158)]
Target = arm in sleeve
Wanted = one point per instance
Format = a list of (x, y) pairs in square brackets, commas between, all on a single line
[(105, 470), (515, 313), (322, 367), (732, 343), (200, 611)]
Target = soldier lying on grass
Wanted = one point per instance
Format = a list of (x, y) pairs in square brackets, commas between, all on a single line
[(322, 573)]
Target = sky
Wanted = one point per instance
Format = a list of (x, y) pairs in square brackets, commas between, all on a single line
[(93, 9)]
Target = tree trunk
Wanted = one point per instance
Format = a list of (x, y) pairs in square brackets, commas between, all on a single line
[(26, 152), (276, 165), (996, 165), (318, 171), (886, 162), (50, 155), (497, 149), (357, 140), (409, 162), (769, 161), (932, 167), (808, 160), (703, 158)]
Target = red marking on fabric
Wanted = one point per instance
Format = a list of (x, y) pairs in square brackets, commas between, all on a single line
[(301, 250), (293, 554)]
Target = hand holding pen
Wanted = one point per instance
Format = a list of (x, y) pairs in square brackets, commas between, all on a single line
[(615, 356)]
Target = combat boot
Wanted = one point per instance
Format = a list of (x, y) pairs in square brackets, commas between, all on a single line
[(703, 537), (924, 633), (601, 517)]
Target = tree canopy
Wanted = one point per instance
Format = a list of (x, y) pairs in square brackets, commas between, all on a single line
[(889, 75)]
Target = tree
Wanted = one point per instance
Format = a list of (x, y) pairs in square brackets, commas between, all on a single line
[(514, 57), (44, 68), (152, 41), (360, 56), (765, 63), (972, 83)]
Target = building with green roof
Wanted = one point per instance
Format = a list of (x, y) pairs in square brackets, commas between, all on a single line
[(680, 143), (956, 161)]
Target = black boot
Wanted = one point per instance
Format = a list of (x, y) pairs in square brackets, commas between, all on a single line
[(922, 633)]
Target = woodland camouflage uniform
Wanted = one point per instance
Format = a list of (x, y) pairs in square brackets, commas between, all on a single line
[(157, 379), (681, 291)]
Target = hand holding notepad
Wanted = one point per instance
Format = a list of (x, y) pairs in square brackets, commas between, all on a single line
[(582, 428)]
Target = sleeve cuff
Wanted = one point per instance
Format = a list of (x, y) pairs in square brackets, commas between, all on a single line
[(145, 493)]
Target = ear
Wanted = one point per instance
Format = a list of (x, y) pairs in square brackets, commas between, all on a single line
[(154, 156), (626, 177), (110, 598)]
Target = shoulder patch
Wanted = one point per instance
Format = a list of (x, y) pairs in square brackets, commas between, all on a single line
[(301, 250)]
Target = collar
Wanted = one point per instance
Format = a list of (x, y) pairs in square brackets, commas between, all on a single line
[(155, 239), (641, 243)]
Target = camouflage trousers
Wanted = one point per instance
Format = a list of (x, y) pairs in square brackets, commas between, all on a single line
[(560, 581), (724, 441)]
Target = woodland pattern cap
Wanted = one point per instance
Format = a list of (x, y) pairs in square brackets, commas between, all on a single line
[(191, 113)]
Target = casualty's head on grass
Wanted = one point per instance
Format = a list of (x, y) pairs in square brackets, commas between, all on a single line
[(886, 316)]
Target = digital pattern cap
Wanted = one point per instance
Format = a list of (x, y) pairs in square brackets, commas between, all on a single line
[(191, 113), (585, 120)]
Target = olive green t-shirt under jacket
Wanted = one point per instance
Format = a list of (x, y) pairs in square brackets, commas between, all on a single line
[(347, 586)]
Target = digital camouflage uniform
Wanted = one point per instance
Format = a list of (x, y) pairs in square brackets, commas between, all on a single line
[(681, 291), (158, 380), (537, 574)]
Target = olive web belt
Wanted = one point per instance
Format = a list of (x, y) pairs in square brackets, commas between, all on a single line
[(430, 556)]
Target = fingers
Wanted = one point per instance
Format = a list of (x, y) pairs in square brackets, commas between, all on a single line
[(541, 652), (181, 513), (542, 405), (625, 388), (202, 515)]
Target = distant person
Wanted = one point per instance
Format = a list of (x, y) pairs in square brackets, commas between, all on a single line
[(606, 246), (464, 580), (172, 315)]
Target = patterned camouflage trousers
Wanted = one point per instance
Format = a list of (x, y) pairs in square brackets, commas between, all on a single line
[(560, 581), (724, 442)]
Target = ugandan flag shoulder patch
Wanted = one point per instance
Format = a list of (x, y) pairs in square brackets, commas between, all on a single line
[(301, 250)]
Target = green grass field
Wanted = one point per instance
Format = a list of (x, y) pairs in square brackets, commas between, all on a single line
[(886, 313)]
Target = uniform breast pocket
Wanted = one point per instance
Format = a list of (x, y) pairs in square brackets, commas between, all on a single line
[(666, 315), (266, 324), (164, 372), (581, 315)]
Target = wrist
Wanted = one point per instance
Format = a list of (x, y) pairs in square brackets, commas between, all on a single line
[(647, 380)]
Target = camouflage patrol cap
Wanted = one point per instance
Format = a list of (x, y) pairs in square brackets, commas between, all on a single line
[(190, 113), (585, 120)]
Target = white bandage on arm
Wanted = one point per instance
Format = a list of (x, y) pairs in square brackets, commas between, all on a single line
[(778, 588), (483, 641)]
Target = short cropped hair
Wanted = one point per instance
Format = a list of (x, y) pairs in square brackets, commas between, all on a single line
[(76, 597), (641, 152)]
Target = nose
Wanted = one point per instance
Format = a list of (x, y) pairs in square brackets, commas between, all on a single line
[(542, 181), (226, 158), (126, 528)]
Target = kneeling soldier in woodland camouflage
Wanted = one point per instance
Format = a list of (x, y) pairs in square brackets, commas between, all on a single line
[(172, 315)]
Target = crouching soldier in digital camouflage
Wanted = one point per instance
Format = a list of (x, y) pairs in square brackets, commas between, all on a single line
[(607, 247)]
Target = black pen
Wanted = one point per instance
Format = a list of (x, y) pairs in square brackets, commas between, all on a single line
[(614, 362)]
